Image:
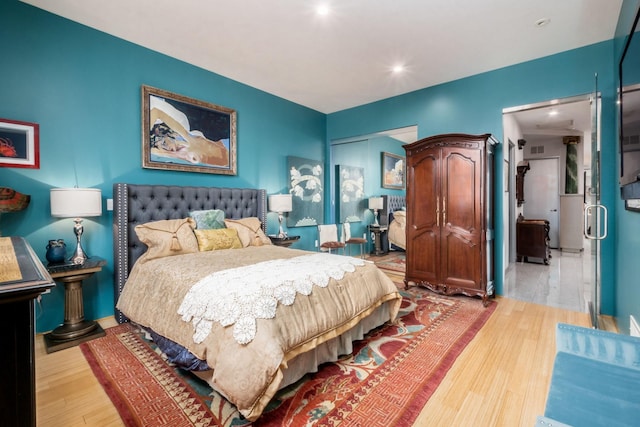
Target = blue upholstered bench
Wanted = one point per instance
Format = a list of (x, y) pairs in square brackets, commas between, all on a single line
[(595, 381)]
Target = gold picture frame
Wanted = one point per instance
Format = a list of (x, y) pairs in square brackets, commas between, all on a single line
[(186, 134), (393, 171)]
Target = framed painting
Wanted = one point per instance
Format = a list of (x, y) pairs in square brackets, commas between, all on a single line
[(306, 179), (19, 144), (393, 171), (185, 134), (350, 203)]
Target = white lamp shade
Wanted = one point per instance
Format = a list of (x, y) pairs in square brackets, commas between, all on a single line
[(375, 202), (76, 202), (280, 203)]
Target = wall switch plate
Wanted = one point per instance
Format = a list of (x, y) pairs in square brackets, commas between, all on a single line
[(109, 204)]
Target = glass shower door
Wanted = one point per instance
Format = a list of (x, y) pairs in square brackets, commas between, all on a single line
[(595, 214)]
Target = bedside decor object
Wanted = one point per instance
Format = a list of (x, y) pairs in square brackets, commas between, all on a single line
[(19, 144), (76, 203), (375, 204), (56, 251), (12, 201), (280, 203)]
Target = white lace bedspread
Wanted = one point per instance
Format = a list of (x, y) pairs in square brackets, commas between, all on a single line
[(239, 296)]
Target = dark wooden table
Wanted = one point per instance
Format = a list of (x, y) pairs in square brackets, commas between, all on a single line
[(22, 279), (283, 241), (377, 239)]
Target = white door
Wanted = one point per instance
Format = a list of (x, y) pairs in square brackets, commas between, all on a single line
[(542, 196)]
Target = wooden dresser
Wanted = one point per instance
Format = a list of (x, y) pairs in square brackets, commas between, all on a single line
[(532, 240), (22, 279), (449, 214)]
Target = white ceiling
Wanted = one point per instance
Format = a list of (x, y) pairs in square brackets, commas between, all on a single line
[(344, 59), (570, 116)]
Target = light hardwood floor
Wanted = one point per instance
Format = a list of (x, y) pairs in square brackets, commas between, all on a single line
[(500, 379)]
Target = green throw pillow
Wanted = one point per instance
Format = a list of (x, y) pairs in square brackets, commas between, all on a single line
[(208, 219)]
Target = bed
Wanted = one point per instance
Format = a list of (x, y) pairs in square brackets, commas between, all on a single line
[(394, 217), (249, 355)]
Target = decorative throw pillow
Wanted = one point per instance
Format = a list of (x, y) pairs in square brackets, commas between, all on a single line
[(249, 231), (167, 237), (223, 238), (208, 219), (401, 217)]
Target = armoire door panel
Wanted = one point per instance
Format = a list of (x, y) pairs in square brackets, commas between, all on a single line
[(424, 255), (423, 208), (461, 192), (461, 262)]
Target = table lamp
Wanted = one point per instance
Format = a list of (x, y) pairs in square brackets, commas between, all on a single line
[(280, 203), (76, 203), (375, 203)]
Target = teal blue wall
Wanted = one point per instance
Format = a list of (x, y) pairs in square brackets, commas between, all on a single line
[(83, 88), (474, 105)]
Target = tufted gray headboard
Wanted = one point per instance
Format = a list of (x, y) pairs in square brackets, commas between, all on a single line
[(136, 204), (391, 203)]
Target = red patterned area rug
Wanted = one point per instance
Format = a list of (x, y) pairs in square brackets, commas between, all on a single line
[(393, 261), (386, 381)]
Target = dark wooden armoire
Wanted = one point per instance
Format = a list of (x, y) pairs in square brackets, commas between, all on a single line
[(449, 214)]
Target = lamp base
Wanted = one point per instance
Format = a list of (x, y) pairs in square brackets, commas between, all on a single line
[(79, 255), (281, 234)]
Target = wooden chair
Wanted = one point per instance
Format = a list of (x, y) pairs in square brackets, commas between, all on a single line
[(350, 241), (328, 238)]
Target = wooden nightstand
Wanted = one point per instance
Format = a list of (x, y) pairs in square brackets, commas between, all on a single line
[(283, 241), (75, 329), (377, 233)]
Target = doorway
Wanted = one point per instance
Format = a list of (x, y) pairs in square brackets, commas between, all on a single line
[(539, 130)]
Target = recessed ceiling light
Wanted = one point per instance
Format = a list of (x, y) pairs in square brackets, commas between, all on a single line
[(398, 69), (322, 10), (542, 22)]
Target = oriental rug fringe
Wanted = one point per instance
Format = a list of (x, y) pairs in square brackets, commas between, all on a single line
[(386, 381)]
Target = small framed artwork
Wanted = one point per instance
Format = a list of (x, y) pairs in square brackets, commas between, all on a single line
[(393, 171), (19, 144), (185, 134)]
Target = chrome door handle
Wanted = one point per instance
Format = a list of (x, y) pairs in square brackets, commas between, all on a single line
[(587, 212)]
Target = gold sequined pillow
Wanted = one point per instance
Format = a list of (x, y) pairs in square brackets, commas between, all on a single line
[(214, 239), (167, 237), (249, 231)]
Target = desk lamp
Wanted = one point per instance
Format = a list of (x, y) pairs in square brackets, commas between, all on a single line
[(76, 203)]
